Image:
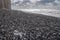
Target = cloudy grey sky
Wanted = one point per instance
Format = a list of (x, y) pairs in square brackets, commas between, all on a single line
[(42, 2), (54, 2)]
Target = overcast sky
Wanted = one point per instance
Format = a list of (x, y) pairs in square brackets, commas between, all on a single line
[(47, 1), (44, 2)]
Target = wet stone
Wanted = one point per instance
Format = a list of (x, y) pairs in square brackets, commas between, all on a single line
[(15, 25)]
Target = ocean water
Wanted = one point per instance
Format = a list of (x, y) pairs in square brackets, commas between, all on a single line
[(31, 8), (48, 12)]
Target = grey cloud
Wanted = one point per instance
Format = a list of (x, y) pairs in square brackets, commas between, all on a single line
[(44, 2), (47, 1)]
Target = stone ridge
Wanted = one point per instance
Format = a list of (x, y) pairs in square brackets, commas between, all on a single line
[(15, 25)]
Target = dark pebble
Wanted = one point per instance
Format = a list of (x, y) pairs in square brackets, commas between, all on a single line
[(15, 25)]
